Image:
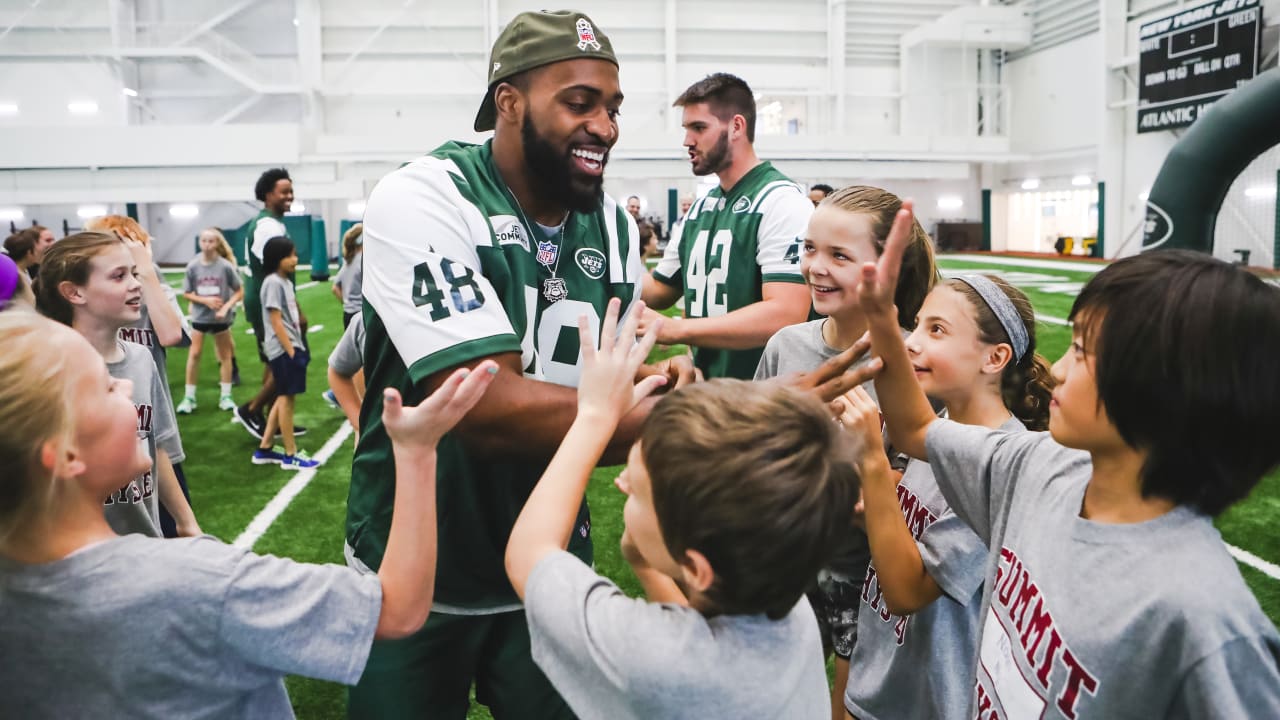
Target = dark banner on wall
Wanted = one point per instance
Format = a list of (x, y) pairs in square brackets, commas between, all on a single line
[(1189, 60)]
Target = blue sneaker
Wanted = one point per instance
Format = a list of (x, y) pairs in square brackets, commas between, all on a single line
[(301, 461), (331, 399), (262, 456)]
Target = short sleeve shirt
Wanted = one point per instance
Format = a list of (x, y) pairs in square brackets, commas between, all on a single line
[(454, 271), (731, 244)]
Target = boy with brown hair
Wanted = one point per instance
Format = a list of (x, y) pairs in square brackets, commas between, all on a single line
[(735, 493)]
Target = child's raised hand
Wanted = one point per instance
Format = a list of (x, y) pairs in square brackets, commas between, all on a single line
[(880, 279), (607, 389), (860, 415), (421, 427)]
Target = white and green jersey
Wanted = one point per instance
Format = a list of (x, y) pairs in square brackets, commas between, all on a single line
[(454, 271), (262, 228), (731, 244)]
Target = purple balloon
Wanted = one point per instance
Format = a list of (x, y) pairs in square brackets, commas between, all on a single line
[(8, 279)]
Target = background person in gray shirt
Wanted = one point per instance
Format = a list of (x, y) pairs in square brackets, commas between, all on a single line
[(285, 351), (212, 286), (1112, 595), (349, 285), (748, 482)]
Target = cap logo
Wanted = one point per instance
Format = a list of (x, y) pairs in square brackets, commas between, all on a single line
[(496, 66), (586, 36)]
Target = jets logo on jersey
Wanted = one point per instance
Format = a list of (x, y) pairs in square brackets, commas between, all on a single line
[(547, 253), (742, 204), (586, 36), (591, 262)]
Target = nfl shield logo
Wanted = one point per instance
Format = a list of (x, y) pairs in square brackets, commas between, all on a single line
[(547, 253), (586, 35)]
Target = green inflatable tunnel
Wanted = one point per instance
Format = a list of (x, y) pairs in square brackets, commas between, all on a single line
[(1182, 208)]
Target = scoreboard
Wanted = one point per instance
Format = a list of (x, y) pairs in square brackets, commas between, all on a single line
[(1189, 60)]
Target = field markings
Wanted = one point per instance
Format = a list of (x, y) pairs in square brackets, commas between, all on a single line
[(1241, 555), (262, 522)]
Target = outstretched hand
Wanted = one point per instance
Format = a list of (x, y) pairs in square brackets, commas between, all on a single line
[(833, 378), (607, 389), (421, 427), (880, 279)]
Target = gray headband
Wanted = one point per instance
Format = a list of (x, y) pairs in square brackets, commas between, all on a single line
[(1003, 309)]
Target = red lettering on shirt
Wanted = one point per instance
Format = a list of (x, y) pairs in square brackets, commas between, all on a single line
[(1018, 599)]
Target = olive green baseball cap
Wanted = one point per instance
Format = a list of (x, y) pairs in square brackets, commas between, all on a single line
[(534, 39)]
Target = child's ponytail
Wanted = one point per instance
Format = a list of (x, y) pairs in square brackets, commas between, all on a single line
[(1027, 388), (1026, 384)]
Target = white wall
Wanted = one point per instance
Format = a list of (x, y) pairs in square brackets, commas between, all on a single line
[(1057, 94)]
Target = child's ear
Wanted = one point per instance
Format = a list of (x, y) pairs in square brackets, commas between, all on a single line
[(1000, 356), (697, 571), (71, 292), (60, 461)]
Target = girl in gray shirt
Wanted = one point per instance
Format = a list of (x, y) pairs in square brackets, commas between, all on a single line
[(99, 625), (919, 617)]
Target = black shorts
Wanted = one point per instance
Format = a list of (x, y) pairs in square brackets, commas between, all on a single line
[(346, 318), (290, 372), (211, 328)]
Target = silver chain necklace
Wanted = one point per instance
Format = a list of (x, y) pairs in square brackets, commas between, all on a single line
[(547, 253)]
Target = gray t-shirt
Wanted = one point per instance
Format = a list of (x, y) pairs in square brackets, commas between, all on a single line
[(278, 294), (143, 333), (189, 628), (611, 656), (800, 348), (216, 279), (351, 279), (348, 355), (921, 665), (1083, 619), (135, 507)]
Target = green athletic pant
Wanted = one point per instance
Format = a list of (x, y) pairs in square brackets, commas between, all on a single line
[(429, 673)]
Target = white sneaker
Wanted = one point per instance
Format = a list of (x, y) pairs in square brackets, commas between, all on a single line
[(226, 403), (187, 406)]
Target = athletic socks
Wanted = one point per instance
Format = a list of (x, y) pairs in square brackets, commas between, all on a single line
[(224, 387), (191, 392)]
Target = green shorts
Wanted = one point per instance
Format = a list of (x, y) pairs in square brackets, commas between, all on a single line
[(429, 674)]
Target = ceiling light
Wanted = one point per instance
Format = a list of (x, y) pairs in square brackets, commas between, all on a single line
[(184, 212), (1144, 195), (950, 202), (1030, 184), (1081, 180), (297, 208), (355, 207), (82, 107), (8, 108), (130, 92), (84, 212), (1260, 192), (10, 213)]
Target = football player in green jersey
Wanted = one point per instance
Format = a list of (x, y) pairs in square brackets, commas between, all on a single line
[(491, 251), (274, 190), (736, 263)]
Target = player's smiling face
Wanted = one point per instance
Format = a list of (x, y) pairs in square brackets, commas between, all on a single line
[(112, 293), (280, 199), (706, 137), (570, 124), (836, 245)]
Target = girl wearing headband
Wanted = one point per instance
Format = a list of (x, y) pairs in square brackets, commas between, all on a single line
[(973, 349)]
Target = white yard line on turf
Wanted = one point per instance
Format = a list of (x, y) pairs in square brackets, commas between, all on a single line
[(259, 525), (1028, 262), (1271, 570), (314, 328), (306, 285)]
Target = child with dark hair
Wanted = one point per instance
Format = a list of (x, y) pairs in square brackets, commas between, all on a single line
[(735, 493), (286, 354), (1110, 592)]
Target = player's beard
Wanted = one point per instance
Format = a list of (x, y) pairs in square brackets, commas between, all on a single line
[(715, 159), (553, 172)]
